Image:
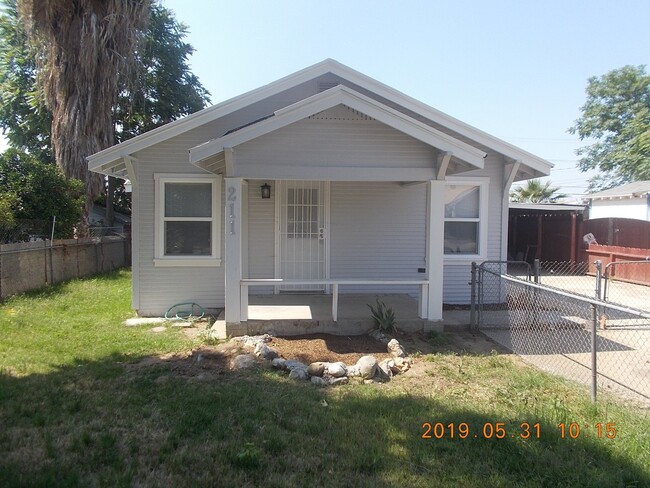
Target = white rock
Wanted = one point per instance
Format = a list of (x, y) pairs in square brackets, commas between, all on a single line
[(336, 369), (265, 352), (299, 374), (403, 364), (353, 371), (243, 361), (386, 366), (367, 366), (279, 363), (160, 328), (339, 381), (318, 381), (292, 364), (316, 369), (395, 348)]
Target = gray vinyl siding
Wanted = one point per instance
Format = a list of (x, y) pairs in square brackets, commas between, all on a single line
[(261, 234), (162, 287), (336, 142), (377, 231), (457, 275)]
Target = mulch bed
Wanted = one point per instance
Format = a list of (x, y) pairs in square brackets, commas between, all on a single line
[(329, 348)]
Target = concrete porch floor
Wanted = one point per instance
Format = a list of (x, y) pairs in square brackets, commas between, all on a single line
[(295, 314)]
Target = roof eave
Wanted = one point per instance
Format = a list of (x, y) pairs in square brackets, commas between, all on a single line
[(538, 165)]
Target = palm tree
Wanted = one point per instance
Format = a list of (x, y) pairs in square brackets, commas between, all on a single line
[(83, 46), (536, 192)]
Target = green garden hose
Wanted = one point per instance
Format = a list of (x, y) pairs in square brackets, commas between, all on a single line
[(189, 315)]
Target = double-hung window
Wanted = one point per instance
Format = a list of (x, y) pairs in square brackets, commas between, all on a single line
[(465, 219), (188, 220)]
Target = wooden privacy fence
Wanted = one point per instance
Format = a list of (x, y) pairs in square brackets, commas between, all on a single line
[(29, 265), (616, 254)]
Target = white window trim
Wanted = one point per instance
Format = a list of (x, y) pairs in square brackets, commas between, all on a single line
[(484, 184), (160, 260)]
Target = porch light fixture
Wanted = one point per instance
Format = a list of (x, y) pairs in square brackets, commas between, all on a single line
[(266, 190)]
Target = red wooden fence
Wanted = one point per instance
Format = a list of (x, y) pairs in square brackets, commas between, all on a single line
[(636, 273)]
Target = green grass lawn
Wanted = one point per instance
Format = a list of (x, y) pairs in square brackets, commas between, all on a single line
[(75, 412)]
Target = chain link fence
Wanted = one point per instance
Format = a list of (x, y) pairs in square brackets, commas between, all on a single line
[(601, 344), (26, 231), (623, 283)]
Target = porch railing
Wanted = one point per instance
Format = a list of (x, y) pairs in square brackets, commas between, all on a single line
[(334, 283)]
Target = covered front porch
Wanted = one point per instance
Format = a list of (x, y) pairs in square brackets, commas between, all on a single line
[(337, 195), (319, 251), (288, 315)]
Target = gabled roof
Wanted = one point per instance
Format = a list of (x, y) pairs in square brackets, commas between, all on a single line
[(340, 95), (630, 190), (104, 160)]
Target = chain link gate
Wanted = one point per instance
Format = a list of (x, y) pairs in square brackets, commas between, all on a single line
[(585, 339)]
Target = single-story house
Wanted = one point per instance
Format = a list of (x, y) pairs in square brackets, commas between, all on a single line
[(630, 201), (325, 181)]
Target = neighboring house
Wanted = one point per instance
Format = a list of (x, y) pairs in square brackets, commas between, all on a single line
[(97, 220), (630, 201), (321, 176)]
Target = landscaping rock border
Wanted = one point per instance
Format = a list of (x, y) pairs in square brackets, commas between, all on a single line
[(320, 373)]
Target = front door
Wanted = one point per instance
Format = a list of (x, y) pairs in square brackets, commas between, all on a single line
[(302, 233)]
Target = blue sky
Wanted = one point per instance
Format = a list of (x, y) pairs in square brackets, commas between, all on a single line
[(515, 69)]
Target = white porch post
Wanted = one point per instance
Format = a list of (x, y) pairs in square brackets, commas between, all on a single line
[(435, 248), (234, 241)]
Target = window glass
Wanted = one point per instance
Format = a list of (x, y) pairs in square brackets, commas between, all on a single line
[(461, 237), (462, 201), (188, 238), (188, 199)]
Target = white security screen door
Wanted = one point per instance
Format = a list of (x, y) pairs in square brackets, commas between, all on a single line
[(302, 233)]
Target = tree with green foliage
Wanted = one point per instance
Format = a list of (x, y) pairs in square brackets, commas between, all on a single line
[(24, 119), (616, 116), (36, 191), (164, 89), (159, 89), (536, 192), (82, 47)]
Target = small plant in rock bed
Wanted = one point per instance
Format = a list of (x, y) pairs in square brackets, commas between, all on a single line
[(383, 316)]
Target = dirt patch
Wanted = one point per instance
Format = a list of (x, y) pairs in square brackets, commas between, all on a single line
[(204, 362), (329, 348), (208, 362)]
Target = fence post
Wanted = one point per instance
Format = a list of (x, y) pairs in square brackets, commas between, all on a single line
[(45, 275), (536, 270), (599, 276), (594, 346), (472, 307)]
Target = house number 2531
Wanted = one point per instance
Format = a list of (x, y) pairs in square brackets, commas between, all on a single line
[(231, 198)]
